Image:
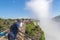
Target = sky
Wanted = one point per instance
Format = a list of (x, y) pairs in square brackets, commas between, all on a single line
[(13, 9), (16, 9), (56, 7)]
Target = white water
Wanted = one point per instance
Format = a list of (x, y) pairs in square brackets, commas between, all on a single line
[(41, 9)]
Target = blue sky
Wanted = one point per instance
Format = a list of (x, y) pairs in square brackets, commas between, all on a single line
[(15, 8), (56, 7)]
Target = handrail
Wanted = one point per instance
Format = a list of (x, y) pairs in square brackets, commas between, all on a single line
[(25, 35)]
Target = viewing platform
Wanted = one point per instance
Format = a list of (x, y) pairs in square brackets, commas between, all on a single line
[(20, 36)]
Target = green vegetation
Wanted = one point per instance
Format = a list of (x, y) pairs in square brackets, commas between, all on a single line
[(4, 24), (32, 30), (35, 31)]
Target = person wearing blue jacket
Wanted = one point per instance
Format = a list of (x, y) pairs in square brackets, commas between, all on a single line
[(14, 30)]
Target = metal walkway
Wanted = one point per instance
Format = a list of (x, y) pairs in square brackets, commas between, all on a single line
[(20, 36)]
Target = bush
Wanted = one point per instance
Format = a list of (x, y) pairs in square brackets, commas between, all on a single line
[(35, 31), (2, 27)]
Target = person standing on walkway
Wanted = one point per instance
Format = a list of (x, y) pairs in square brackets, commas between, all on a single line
[(14, 30)]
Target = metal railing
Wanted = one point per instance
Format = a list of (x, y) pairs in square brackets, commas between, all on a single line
[(25, 36)]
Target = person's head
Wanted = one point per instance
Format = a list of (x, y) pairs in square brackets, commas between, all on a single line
[(18, 20), (22, 20)]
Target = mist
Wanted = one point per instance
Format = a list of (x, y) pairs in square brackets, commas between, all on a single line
[(42, 9)]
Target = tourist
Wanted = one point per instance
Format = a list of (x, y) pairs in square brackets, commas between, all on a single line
[(14, 30)]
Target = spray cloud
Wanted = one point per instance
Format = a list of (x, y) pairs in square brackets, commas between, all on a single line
[(41, 9)]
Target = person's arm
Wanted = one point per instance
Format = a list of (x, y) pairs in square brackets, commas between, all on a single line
[(19, 29), (18, 26), (21, 24)]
